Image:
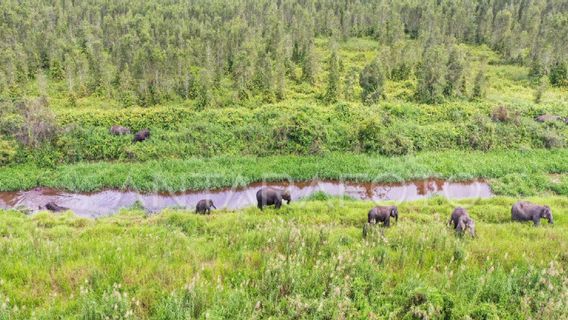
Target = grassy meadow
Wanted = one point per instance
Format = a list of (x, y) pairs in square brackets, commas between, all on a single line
[(307, 261)]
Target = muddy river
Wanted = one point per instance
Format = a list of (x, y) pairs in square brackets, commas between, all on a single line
[(110, 201)]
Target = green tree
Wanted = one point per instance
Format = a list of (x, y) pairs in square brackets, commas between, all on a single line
[(432, 75), (479, 85), (349, 85), (332, 91), (559, 74), (372, 80), (455, 72), (309, 66)]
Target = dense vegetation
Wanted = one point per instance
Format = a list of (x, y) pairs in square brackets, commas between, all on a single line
[(262, 78), (307, 261)]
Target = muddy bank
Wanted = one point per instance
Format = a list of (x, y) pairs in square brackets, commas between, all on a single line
[(110, 201)]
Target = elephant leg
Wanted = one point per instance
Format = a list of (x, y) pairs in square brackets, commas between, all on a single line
[(536, 221), (387, 223), (260, 206), (278, 204)]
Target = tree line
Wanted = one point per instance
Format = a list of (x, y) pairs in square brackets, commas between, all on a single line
[(148, 51)]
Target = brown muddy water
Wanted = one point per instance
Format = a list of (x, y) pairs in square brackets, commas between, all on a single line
[(111, 201)]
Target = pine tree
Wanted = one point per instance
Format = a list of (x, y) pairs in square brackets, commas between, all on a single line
[(309, 66), (479, 86), (432, 75), (348, 87), (372, 80), (332, 91), (455, 73)]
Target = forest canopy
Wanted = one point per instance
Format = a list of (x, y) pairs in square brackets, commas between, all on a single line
[(145, 52)]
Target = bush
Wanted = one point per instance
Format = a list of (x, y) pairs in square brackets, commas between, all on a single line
[(552, 139), (8, 151), (502, 114), (31, 122)]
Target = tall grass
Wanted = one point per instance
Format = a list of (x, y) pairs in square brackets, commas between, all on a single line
[(517, 172), (308, 260)]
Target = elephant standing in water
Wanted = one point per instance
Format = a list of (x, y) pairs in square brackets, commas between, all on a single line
[(382, 214), (526, 211), (270, 196), (460, 221), (54, 207), (204, 206)]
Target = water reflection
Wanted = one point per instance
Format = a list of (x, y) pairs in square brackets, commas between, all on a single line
[(110, 201)]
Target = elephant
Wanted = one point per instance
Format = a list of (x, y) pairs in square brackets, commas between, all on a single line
[(382, 214), (141, 135), (547, 118), (526, 211), (52, 206), (271, 196), (461, 221), (204, 206), (119, 130)]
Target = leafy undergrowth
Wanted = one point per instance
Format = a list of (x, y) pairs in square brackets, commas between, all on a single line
[(308, 260)]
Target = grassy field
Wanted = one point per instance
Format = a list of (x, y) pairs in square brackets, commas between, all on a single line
[(307, 261), (510, 173)]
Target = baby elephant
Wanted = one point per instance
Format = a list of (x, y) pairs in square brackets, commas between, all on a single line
[(54, 207), (526, 211), (141, 135), (271, 196), (119, 130), (204, 206), (461, 221), (382, 214)]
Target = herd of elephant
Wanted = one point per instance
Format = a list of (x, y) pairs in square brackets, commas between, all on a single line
[(459, 219), (138, 136)]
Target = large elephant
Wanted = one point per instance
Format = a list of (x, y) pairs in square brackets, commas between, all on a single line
[(271, 196), (548, 118), (382, 214), (460, 221), (204, 206), (141, 135), (526, 211), (52, 206), (119, 130)]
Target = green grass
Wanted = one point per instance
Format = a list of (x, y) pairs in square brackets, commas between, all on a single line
[(514, 172), (307, 260)]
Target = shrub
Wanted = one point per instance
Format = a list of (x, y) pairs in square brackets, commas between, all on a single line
[(552, 139), (8, 151), (33, 123), (559, 74), (502, 114)]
